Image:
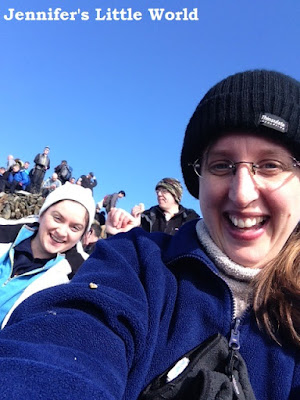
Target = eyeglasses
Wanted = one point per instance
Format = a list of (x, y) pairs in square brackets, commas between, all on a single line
[(161, 190), (266, 168)]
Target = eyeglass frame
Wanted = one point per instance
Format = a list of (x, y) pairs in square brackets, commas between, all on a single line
[(162, 190), (254, 166)]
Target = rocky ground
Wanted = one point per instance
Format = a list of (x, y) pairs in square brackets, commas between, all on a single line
[(20, 204)]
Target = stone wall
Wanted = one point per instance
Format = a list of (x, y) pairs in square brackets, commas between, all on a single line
[(20, 204)]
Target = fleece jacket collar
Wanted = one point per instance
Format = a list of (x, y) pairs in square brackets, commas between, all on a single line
[(184, 244)]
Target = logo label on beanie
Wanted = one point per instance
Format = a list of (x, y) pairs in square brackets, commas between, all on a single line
[(274, 122)]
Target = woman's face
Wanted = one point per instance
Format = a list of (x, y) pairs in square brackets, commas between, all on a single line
[(249, 217), (61, 227)]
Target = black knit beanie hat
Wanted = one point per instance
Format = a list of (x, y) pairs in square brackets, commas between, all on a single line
[(266, 103), (173, 186)]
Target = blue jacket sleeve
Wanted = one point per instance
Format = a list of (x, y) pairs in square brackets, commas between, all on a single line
[(24, 178), (80, 340), (15, 177), (10, 177)]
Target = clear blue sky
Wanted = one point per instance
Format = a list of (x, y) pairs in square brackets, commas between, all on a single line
[(115, 97)]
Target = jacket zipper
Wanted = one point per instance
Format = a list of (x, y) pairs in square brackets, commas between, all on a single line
[(234, 340), (33, 272), (234, 345)]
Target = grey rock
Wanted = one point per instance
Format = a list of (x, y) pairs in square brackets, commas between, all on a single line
[(20, 204)]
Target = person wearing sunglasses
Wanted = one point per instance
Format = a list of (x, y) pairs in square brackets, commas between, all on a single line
[(129, 322)]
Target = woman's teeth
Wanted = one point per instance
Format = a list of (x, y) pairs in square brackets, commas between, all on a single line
[(56, 239), (245, 222)]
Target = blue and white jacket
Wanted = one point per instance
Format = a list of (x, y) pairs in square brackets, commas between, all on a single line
[(14, 289), (136, 305)]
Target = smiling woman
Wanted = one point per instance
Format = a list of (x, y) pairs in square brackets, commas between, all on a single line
[(61, 227), (211, 312), (246, 163), (37, 256), (249, 214)]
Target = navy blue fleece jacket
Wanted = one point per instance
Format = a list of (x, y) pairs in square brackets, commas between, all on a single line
[(136, 305)]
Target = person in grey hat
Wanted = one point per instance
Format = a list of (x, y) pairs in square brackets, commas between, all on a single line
[(168, 215), (211, 312), (36, 253)]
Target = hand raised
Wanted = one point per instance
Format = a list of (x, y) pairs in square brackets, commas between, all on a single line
[(119, 220)]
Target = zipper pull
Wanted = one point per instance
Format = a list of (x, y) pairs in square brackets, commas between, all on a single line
[(7, 281), (234, 341), (234, 345)]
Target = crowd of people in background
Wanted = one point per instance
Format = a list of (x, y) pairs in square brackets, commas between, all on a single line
[(18, 176), (167, 216)]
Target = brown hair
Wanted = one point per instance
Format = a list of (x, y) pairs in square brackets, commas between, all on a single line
[(277, 294)]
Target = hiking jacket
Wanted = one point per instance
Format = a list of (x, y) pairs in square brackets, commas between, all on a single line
[(136, 306), (14, 289), (42, 161), (64, 172), (88, 183), (153, 220), (19, 176)]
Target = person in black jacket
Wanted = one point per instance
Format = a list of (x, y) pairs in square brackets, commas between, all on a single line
[(169, 215), (88, 181), (64, 171), (42, 164)]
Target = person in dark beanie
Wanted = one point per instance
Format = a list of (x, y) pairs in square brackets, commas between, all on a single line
[(169, 215), (209, 313)]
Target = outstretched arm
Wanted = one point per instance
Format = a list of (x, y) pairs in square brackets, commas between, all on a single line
[(92, 338), (77, 341)]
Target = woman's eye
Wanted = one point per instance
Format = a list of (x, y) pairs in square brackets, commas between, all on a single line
[(220, 167), (271, 166)]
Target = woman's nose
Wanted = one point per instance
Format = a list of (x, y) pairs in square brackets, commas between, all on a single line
[(62, 230), (243, 188)]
